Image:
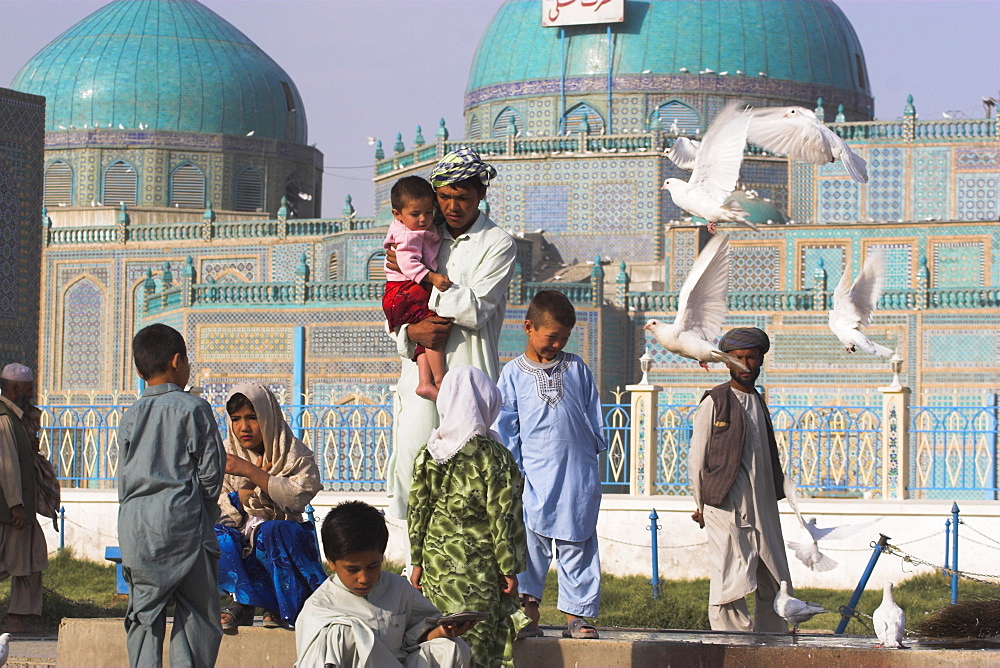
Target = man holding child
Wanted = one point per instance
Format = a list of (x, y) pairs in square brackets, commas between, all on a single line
[(478, 257)]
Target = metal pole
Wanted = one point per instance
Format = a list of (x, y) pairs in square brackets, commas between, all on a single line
[(947, 545), (954, 553), (62, 528), (653, 526), (847, 611), (298, 379), (610, 62), (562, 79)]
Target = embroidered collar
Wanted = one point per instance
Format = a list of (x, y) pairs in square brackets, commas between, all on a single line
[(548, 377)]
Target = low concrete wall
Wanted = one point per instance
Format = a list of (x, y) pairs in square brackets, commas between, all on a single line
[(916, 526), (101, 643)]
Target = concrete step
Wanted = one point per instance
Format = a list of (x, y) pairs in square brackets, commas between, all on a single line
[(101, 642)]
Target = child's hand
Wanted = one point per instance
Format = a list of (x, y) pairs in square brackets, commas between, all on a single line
[(449, 630), (439, 281), (697, 517), (238, 466), (416, 572), (508, 585)]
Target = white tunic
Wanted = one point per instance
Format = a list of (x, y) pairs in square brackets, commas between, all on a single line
[(746, 528), (480, 263)]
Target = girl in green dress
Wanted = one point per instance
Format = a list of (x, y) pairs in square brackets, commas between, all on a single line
[(465, 519)]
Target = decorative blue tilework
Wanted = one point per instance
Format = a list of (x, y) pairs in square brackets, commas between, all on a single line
[(839, 201), (977, 196), (958, 264), (83, 352), (546, 208), (886, 193), (833, 258), (930, 183), (898, 265)]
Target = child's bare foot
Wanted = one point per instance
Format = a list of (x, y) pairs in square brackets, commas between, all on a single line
[(427, 391)]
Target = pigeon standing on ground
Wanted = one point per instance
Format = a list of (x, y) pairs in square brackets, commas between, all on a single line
[(716, 170), (4, 648), (853, 305), (889, 620), (701, 308), (792, 610)]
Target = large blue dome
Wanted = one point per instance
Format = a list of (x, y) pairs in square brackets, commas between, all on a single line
[(806, 45), (166, 64)]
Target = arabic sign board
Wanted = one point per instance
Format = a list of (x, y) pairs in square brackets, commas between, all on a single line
[(580, 12)]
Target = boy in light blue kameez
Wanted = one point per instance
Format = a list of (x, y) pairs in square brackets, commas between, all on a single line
[(170, 472), (551, 421)]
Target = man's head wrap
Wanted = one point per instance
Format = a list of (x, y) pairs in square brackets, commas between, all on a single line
[(745, 337), (17, 373), (461, 165)]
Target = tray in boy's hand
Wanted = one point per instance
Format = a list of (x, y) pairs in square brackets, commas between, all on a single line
[(458, 618)]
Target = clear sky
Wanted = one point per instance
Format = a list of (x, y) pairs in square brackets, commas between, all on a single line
[(378, 67)]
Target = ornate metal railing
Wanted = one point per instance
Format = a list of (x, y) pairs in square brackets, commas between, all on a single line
[(828, 450), (953, 452)]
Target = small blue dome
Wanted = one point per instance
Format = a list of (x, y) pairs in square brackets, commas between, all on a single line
[(803, 41), (168, 65)]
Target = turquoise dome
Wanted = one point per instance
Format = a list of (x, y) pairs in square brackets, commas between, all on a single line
[(802, 41), (166, 64)]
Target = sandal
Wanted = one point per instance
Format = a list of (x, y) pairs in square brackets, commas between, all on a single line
[(581, 629), (532, 630), (235, 616), (272, 620)]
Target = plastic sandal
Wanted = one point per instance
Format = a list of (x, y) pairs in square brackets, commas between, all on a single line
[(271, 620), (581, 629), (239, 615)]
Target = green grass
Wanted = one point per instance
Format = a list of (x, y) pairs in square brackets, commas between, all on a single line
[(81, 588)]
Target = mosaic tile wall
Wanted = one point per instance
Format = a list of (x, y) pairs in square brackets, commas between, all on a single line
[(22, 123)]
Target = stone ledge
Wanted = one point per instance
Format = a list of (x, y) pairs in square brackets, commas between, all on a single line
[(101, 642)]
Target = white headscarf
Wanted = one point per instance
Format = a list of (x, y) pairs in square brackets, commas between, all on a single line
[(468, 403), (294, 474)]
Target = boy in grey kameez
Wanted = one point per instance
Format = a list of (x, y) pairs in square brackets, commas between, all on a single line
[(170, 472)]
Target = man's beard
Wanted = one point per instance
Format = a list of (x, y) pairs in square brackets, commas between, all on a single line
[(24, 403)]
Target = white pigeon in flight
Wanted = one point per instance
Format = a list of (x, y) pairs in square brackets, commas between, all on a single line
[(701, 308), (889, 620), (716, 170), (792, 610), (798, 133), (853, 304), (683, 152), (792, 131)]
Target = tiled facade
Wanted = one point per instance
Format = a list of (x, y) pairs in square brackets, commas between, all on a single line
[(22, 133)]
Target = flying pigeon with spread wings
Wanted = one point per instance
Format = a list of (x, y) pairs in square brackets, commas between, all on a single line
[(853, 304), (798, 133), (716, 170), (792, 131), (701, 308)]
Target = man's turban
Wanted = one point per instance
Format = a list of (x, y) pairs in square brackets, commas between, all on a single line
[(745, 337), (461, 165)]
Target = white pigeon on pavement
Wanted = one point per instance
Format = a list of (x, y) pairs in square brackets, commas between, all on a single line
[(4, 648), (701, 308), (889, 620), (853, 304), (798, 133), (716, 170), (792, 610)]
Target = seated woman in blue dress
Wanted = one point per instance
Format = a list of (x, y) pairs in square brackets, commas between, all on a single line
[(269, 555)]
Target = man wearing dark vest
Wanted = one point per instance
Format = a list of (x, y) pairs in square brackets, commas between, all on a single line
[(737, 480), (23, 556)]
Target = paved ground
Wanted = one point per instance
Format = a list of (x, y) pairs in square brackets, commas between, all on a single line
[(34, 651)]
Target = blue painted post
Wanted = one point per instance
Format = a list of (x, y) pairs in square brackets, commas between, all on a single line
[(312, 520), (847, 611), (610, 70), (954, 553), (947, 545), (298, 378), (653, 527), (62, 528)]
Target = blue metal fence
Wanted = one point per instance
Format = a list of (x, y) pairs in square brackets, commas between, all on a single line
[(828, 450), (953, 452)]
